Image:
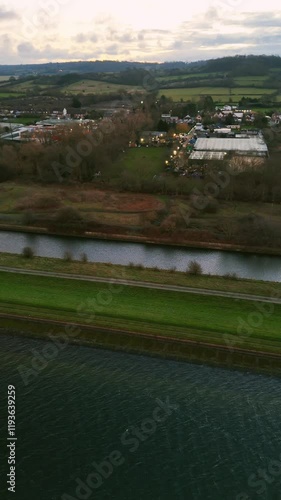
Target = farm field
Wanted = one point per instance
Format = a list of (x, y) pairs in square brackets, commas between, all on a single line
[(250, 81), (29, 85), (219, 94), (82, 86), (200, 76), (97, 87)]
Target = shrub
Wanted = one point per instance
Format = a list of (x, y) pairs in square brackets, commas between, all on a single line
[(46, 202), (231, 276), (151, 216), (28, 253), (156, 268), (194, 268), (84, 257), (28, 218), (68, 215), (68, 256), (6, 173), (38, 202), (169, 224), (212, 206)]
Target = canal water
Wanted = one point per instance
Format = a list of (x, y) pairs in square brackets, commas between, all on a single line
[(174, 431), (253, 266)]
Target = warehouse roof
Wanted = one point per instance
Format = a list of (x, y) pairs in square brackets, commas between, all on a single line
[(223, 131), (207, 155), (250, 144)]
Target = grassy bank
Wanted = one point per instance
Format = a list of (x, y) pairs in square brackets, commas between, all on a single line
[(139, 273), (177, 315), (129, 318), (140, 344)]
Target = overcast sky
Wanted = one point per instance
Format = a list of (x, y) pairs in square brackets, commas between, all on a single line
[(33, 31)]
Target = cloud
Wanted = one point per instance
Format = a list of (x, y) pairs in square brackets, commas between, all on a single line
[(6, 49), (48, 52), (257, 20), (82, 38), (26, 48), (177, 44), (214, 32), (7, 15), (113, 49), (112, 40), (155, 32), (219, 34), (126, 38)]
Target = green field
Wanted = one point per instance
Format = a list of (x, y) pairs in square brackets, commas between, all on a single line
[(200, 76), (247, 81), (24, 120), (143, 162), (28, 85), (21, 87), (10, 95), (219, 94), (250, 81), (81, 87), (97, 87), (173, 314)]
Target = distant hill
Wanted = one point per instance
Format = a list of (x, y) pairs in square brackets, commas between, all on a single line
[(248, 65), (248, 79), (88, 67), (244, 65)]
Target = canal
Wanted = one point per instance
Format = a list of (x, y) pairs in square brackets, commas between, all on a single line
[(244, 265)]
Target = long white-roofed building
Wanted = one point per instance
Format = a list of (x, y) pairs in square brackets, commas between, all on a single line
[(239, 146)]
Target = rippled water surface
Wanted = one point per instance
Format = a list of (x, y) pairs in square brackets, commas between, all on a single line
[(222, 426)]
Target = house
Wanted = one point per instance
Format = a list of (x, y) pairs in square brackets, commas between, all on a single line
[(153, 138), (238, 116), (168, 118)]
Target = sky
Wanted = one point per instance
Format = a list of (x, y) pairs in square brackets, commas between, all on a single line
[(33, 31)]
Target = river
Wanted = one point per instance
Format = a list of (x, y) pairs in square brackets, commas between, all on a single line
[(220, 427), (253, 266)]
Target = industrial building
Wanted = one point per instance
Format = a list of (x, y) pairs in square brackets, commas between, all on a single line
[(210, 149)]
